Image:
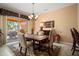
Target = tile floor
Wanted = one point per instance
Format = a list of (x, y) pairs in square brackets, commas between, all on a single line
[(64, 51)]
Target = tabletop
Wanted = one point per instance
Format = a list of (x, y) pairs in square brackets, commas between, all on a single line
[(35, 37)]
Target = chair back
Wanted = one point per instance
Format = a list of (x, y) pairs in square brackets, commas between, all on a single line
[(22, 40), (76, 36), (51, 40), (75, 31), (73, 34)]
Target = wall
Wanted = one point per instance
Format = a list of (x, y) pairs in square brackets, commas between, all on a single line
[(24, 25), (64, 18), (1, 22), (3, 28), (30, 25), (78, 15)]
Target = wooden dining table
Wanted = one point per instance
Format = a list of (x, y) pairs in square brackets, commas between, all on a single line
[(36, 38)]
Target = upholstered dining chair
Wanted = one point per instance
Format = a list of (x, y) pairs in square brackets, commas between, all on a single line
[(49, 45), (24, 44)]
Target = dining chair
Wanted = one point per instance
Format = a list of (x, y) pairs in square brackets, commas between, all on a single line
[(49, 45), (24, 44), (75, 30), (75, 36)]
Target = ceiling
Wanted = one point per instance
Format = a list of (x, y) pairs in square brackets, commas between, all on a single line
[(26, 8)]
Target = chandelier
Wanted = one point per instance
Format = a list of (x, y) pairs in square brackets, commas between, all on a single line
[(33, 16)]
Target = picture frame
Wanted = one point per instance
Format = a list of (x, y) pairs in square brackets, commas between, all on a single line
[(47, 24)]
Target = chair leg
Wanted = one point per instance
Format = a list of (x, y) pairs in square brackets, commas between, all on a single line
[(73, 52), (52, 47), (20, 49), (25, 51), (49, 52), (74, 48)]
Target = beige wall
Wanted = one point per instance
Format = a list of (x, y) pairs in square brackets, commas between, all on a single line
[(30, 25), (78, 15), (64, 18)]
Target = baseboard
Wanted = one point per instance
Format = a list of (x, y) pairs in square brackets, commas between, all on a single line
[(62, 44), (12, 43), (67, 43)]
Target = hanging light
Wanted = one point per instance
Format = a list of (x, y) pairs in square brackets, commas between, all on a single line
[(33, 16)]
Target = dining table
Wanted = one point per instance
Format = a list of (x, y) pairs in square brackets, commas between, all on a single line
[(36, 38)]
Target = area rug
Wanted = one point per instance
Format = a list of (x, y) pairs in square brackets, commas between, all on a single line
[(31, 52)]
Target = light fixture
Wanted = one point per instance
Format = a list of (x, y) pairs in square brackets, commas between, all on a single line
[(33, 16)]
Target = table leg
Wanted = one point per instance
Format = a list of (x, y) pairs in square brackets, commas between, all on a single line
[(39, 45), (33, 44), (49, 51)]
